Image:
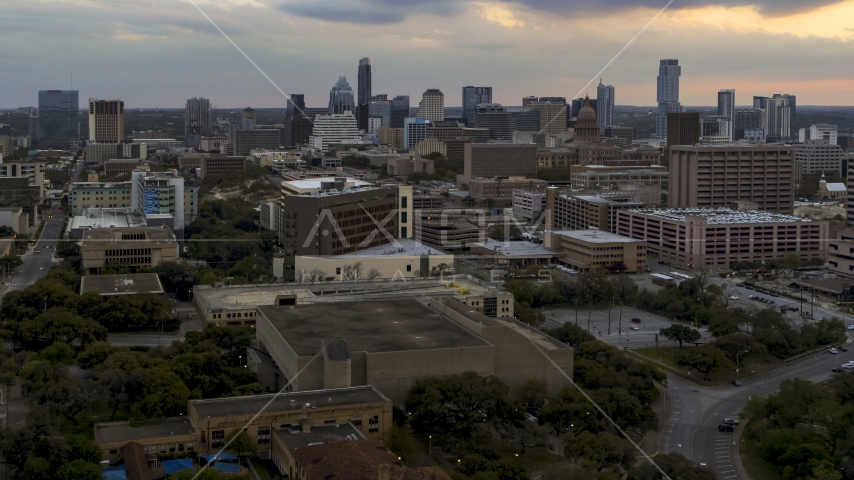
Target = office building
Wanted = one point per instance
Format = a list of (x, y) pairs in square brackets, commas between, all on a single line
[(582, 212), (99, 153), (819, 131), (363, 94), (158, 193), (501, 189), (432, 336), (414, 131), (17, 220), (726, 109), (393, 137), (552, 117), (33, 124), (106, 121), (445, 130), (296, 105), (716, 126), (432, 105), (131, 247), (746, 124), (716, 176), (604, 105), (529, 204), (526, 120), (719, 237), (591, 249), (407, 259), (331, 129), (341, 98), (472, 97), (406, 165), (490, 160), (197, 117), (669, 72), (600, 177), (88, 195), (349, 216), (527, 100), (298, 130), (58, 119), (380, 107), (587, 125), (6, 146), (218, 164), (814, 157), (492, 116), (399, 110), (622, 136), (32, 171), (20, 193), (779, 118), (256, 139), (683, 128)]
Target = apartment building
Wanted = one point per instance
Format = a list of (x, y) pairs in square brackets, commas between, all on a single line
[(581, 212), (587, 250), (106, 120), (720, 175), (719, 237), (131, 247)]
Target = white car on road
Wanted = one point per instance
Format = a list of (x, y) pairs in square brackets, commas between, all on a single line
[(850, 327), (633, 327), (849, 364), (733, 297), (832, 350)]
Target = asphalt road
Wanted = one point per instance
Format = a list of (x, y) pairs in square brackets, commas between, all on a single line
[(36, 264)]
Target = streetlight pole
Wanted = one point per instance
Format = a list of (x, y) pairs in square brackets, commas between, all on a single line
[(609, 315), (589, 307), (736, 362)]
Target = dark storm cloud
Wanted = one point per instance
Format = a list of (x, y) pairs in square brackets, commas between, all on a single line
[(381, 12), (372, 12), (771, 8)]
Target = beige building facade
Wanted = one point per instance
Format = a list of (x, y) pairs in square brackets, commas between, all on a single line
[(588, 250), (132, 247)]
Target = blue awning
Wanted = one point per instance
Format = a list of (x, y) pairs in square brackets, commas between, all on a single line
[(175, 466), (115, 473), (232, 468)]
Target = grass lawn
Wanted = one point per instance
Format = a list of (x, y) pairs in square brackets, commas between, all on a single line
[(757, 468), (748, 368)]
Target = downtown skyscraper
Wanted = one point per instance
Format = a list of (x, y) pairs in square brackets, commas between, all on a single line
[(432, 105), (197, 116), (605, 105), (472, 97), (363, 93), (341, 98), (58, 118), (726, 108), (106, 120), (669, 72)]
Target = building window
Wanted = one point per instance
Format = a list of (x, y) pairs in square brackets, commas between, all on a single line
[(357, 422), (113, 451), (403, 232), (403, 217), (171, 448), (180, 447), (263, 435), (189, 446), (404, 202), (409, 268), (162, 448), (217, 437), (374, 424)]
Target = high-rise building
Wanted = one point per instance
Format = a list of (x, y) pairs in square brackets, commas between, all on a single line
[(33, 124), (341, 98), (432, 105), (399, 110), (716, 126), (819, 131), (527, 100), (669, 72), (779, 118), (59, 118), (197, 116), (747, 122), (605, 105), (577, 103), (364, 93), (380, 107), (726, 108), (714, 176), (683, 128), (818, 156), (562, 101), (296, 105), (106, 120), (526, 120), (490, 160), (492, 116), (552, 117), (329, 129), (414, 131), (472, 97), (158, 193)]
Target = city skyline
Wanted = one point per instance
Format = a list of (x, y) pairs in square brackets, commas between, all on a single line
[(465, 33)]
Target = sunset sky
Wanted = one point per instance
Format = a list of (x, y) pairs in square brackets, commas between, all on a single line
[(160, 52)]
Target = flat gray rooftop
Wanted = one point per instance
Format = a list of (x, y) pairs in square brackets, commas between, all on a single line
[(123, 432), (517, 249), (596, 236), (384, 326), (218, 407), (121, 284), (335, 432)]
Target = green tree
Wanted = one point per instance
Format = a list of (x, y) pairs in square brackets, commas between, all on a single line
[(739, 346), (602, 450), (401, 441), (252, 268), (533, 393), (163, 395), (680, 333), (240, 443), (705, 359), (58, 353), (79, 470)]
